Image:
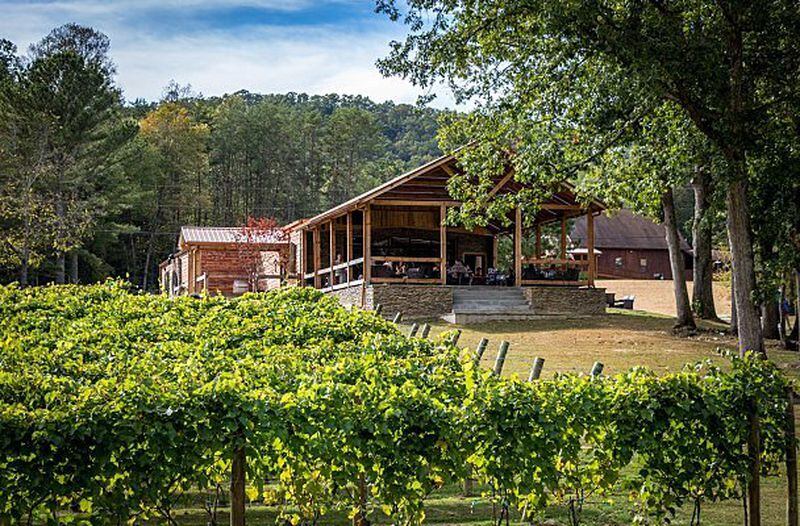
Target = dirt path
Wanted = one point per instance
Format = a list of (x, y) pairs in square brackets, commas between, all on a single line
[(657, 295)]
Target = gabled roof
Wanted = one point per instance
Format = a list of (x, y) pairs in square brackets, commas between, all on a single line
[(429, 183), (226, 235), (624, 229)]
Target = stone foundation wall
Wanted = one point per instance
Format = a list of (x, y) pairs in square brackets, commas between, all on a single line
[(350, 296), (414, 301), (566, 300)]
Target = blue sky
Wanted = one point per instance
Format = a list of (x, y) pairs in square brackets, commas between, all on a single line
[(221, 46)]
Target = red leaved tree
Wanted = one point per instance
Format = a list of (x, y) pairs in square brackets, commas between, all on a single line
[(262, 250)]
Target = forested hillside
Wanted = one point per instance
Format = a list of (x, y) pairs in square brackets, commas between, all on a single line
[(102, 189)]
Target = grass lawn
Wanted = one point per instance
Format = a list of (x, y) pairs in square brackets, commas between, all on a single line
[(620, 340)]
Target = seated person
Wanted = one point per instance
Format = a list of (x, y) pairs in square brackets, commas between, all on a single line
[(401, 269), (459, 271)]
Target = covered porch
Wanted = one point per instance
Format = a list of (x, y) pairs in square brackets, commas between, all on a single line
[(396, 234)]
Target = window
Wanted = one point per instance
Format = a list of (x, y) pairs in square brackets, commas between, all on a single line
[(643, 262), (618, 262)]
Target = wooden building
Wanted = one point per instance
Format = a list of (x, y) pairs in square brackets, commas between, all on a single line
[(629, 246), (225, 260), (391, 242)]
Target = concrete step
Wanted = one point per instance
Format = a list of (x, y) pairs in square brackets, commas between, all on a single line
[(516, 309), (464, 318), (490, 301)]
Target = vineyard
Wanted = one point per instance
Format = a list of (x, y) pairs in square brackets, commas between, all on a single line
[(114, 405)]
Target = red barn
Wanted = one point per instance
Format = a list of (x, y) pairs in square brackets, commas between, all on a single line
[(226, 260), (629, 246)]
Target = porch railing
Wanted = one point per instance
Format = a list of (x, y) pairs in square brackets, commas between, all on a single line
[(553, 271), (419, 270)]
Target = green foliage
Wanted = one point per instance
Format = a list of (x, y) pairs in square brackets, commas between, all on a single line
[(116, 403)]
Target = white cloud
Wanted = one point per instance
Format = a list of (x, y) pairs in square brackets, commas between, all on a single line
[(262, 59)]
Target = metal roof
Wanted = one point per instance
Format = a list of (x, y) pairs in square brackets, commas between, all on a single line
[(228, 234), (624, 229)]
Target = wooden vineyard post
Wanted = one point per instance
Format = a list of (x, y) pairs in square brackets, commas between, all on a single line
[(480, 350), (501, 358), (456, 336), (426, 330), (597, 369), (536, 370), (397, 317), (378, 309), (791, 461), (754, 454), (237, 486), (414, 329)]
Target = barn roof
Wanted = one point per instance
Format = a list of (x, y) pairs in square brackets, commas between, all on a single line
[(227, 235), (624, 229)]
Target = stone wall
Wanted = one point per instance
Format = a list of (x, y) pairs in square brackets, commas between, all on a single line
[(350, 296), (414, 301), (566, 300)]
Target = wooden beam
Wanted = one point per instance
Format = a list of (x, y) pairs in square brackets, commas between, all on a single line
[(442, 245), (563, 251), (559, 283), (405, 259), (590, 247), (303, 255), (367, 234), (317, 255), (506, 178), (331, 249), (557, 206), (414, 281), (433, 203), (349, 256), (449, 171), (518, 247)]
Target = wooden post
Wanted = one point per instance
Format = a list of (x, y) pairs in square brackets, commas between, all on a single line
[(597, 369), (443, 245), (349, 242), (481, 349), (500, 361), (414, 329), (303, 255), (317, 255), (237, 487), (367, 235), (754, 454), (563, 247), (397, 317), (791, 461), (590, 247), (378, 309), (426, 330), (518, 247), (456, 336), (331, 251), (536, 370)]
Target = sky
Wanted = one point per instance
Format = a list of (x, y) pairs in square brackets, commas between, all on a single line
[(222, 46)]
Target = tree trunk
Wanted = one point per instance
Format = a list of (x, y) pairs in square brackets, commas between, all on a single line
[(23, 268), (73, 266), (238, 487), (684, 317), (61, 271), (770, 319), (734, 321), (739, 237), (703, 272)]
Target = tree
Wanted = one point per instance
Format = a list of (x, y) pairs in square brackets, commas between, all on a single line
[(173, 157), (539, 73), (59, 127)]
